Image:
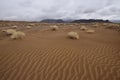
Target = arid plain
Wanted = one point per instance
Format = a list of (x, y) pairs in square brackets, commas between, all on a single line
[(44, 54)]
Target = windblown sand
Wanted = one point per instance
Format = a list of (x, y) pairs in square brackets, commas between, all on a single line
[(50, 55)]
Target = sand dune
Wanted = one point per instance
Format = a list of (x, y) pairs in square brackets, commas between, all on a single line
[(50, 55)]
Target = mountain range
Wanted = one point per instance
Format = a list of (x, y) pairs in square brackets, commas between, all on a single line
[(73, 21)]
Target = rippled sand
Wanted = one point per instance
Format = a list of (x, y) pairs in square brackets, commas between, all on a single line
[(50, 55)]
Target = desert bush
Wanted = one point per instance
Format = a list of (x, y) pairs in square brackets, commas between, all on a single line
[(17, 35), (31, 24), (14, 27), (83, 28), (9, 31), (73, 35), (54, 28), (90, 31), (28, 27)]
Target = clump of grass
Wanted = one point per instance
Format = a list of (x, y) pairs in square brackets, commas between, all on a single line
[(12, 33), (9, 31), (14, 27), (28, 27), (31, 24), (90, 31), (17, 35), (54, 28), (83, 28), (73, 35)]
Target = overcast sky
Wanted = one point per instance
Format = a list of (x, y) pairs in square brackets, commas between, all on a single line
[(59, 9)]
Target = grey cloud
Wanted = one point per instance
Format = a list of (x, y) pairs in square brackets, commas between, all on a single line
[(63, 9)]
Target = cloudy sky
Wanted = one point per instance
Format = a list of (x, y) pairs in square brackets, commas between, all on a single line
[(32, 10)]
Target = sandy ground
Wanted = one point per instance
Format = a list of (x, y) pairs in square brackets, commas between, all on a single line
[(50, 55)]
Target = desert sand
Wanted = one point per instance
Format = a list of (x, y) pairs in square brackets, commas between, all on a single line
[(50, 55)]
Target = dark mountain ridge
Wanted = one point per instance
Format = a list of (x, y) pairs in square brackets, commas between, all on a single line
[(74, 21), (90, 20)]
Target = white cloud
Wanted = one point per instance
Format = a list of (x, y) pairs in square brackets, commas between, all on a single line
[(64, 9)]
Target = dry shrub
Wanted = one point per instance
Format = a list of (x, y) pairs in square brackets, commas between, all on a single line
[(9, 31), (90, 31), (17, 35), (83, 28), (14, 27), (54, 28), (73, 35), (28, 27)]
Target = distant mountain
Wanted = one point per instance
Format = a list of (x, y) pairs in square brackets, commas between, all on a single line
[(53, 21), (89, 20), (115, 21), (73, 21)]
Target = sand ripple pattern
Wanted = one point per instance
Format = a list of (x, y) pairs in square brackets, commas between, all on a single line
[(100, 63)]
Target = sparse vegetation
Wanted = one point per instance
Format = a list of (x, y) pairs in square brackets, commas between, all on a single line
[(90, 31), (73, 35), (17, 35), (31, 24), (83, 28), (14, 27), (28, 27), (9, 31), (12, 33), (54, 28)]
